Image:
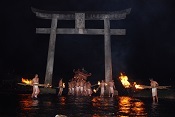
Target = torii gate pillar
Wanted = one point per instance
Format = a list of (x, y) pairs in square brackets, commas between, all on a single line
[(51, 51), (107, 50)]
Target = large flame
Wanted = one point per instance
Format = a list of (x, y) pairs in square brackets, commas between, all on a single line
[(27, 81), (127, 84), (124, 80)]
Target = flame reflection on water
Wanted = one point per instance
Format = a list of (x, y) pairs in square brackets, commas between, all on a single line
[(21, 105), (123, 106), (26, 103), (119, 106), (130, 106)]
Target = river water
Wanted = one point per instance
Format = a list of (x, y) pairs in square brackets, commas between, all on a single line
[(21, 105)]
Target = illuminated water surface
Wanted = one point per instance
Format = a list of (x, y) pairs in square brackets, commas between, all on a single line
[(119, 106)]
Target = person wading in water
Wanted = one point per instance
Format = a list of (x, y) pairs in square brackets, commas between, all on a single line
[(154, 84), (36, 90)]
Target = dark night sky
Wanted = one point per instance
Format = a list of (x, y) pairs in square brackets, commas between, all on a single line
[(147, 50)]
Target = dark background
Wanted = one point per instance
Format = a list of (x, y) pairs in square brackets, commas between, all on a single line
[(146, 51)]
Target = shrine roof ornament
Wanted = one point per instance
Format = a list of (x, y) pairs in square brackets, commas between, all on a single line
[(82, 71)]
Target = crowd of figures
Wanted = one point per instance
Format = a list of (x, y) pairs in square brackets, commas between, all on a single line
[(79, 88), (84, 88)]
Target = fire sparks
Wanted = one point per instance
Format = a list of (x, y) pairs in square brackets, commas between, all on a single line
[(26, 81), (124, 80)]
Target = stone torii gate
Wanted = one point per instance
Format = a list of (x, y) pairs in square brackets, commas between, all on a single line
[(80, 18)]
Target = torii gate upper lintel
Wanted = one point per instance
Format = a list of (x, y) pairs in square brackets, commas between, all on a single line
[(80, 18)]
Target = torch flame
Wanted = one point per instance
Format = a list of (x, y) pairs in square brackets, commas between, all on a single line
[(63, 85), (127, 84), (26, 81), (98, 82), (138, 87), (95, 90), (124, 80)]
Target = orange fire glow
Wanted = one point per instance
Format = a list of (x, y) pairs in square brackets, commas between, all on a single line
[(27, 81), (124, 80), (138, 87), (127, 84), (130, 106)]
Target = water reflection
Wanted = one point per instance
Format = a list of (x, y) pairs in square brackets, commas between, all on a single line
[(103, 106), (26, 103), (35, 103), (130, 107), (71, 106), (78, 106), (154, 109), (62, 100)]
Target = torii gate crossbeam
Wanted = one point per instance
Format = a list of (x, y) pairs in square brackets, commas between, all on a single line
[(80, 18)]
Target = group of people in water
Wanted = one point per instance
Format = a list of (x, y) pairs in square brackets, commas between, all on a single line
[(81, 87), (78, 87)]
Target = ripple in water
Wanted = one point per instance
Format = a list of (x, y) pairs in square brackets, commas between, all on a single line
[(94, 106)]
